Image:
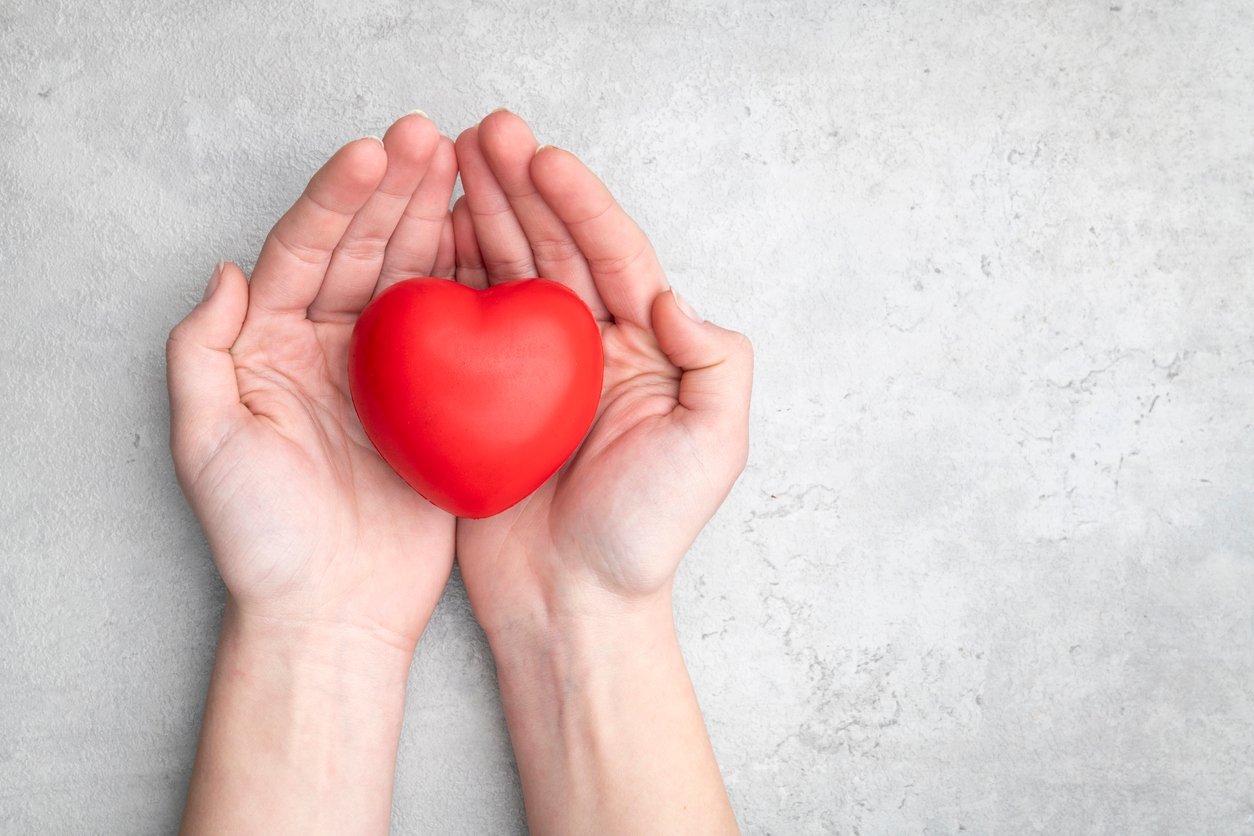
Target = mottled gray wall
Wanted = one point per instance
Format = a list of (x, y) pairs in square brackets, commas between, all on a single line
[(991, 566)]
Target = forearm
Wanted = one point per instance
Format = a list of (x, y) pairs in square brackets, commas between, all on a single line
[(606, 727), (300, 730)]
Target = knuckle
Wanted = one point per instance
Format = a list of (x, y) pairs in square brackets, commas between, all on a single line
[(554, 249), (302, 254), (594, 217), (512, 267), (490, 208), (422, 215), (616, 265), (365, 248)]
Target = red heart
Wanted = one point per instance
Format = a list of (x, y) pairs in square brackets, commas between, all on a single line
[(475, 397)]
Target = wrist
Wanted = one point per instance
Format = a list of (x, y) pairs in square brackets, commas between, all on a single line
[(604, 722), (585, 628), (554, 660), (314, 708), (315, 651)]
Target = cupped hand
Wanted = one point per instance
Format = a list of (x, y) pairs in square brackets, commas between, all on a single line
[(671, 433), (306, 522)]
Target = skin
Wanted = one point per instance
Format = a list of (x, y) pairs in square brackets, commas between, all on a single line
[(333, 566), (573, 585)]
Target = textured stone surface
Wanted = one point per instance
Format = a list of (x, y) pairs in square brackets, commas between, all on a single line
[(990, 568)]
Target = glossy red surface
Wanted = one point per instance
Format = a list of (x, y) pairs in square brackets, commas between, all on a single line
[(475, 397)]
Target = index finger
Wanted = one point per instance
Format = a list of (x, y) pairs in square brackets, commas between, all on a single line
[(624, 266), (294, 259)]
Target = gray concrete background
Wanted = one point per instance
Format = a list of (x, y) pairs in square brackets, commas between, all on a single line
[(991, 566)]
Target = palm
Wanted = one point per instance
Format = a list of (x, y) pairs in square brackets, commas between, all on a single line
[(303, 515), (621, 512), (353, 524), (579, 511)]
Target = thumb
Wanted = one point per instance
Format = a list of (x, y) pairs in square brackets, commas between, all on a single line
[(717, 365), (200, 372)]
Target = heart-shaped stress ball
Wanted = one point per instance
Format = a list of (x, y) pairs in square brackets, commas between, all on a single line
[(475, 397)]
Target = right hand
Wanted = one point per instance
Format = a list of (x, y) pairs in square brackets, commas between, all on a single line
[(306, 522)]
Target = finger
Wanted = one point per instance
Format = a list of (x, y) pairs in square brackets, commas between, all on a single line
[(624, 266), (508, 146), (502, 242), (470, 269), (717, 367), (446, 256), (356, 263), (200, 372), (294, 259), (416, 242)]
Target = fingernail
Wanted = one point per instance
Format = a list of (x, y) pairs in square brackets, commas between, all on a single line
[(685, 307), (213, 281), (543, 147), (377, 139), (421, 113), (500, 110)]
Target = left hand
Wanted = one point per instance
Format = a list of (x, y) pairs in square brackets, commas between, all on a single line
[(573, 585), (608, 530)]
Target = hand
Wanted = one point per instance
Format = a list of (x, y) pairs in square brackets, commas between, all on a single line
[(671, 433), (572, 586), (332, 563), (305, 520)]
